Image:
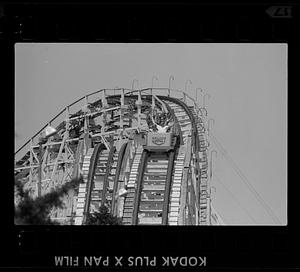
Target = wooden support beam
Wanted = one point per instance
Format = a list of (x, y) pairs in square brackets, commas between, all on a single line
[(55, 143), (31, 162), (58, 156), (104, 100)]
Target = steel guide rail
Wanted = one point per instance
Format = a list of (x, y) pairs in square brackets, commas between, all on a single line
[(129, 201), (108, 168), (82, 191), (168, 188), (90, 182), (139, 187), (97, 185), (111, 173), (158, 210), (116, 178), (175, 206), (153, 189), (124, 176), (185, 125), (154, 185), (195, 145)]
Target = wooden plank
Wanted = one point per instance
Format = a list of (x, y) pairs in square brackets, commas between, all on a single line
[(188, 153), (176, 189), (127, 220), (175, 194), (127, 214), (183, 197), (173, 214), (79, 212), (175, 199), (80, 205), (78, 220), (150, 220), (81, 195)]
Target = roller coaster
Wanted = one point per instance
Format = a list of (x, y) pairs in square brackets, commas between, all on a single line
[(141, 153)]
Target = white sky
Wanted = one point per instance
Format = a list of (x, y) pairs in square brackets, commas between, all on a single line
[(248, 88)]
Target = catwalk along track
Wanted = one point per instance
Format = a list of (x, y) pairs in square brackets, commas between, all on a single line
[(142, 154)]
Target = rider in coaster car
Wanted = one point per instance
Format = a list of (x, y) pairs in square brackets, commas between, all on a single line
[(162, 125)]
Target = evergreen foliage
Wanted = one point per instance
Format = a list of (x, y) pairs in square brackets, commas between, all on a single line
[(102, 217), (36, 211)]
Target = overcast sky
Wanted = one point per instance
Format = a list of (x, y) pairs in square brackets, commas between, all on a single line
[(248, 88)]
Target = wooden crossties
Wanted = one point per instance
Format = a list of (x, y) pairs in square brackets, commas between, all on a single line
[(82, 191), (131, 188), (175, 198), (203, 165)]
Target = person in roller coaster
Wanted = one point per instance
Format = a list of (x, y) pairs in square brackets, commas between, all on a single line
[(162, 123)]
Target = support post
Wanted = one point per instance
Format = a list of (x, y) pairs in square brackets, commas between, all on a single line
[(139, 108), (122, 109), (31, 160), (85, 116), (169, 89), (58, 156), (153, 100), (39, 184), (104, 100)]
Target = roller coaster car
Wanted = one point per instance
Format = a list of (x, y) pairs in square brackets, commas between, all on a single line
[(158, 142)]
